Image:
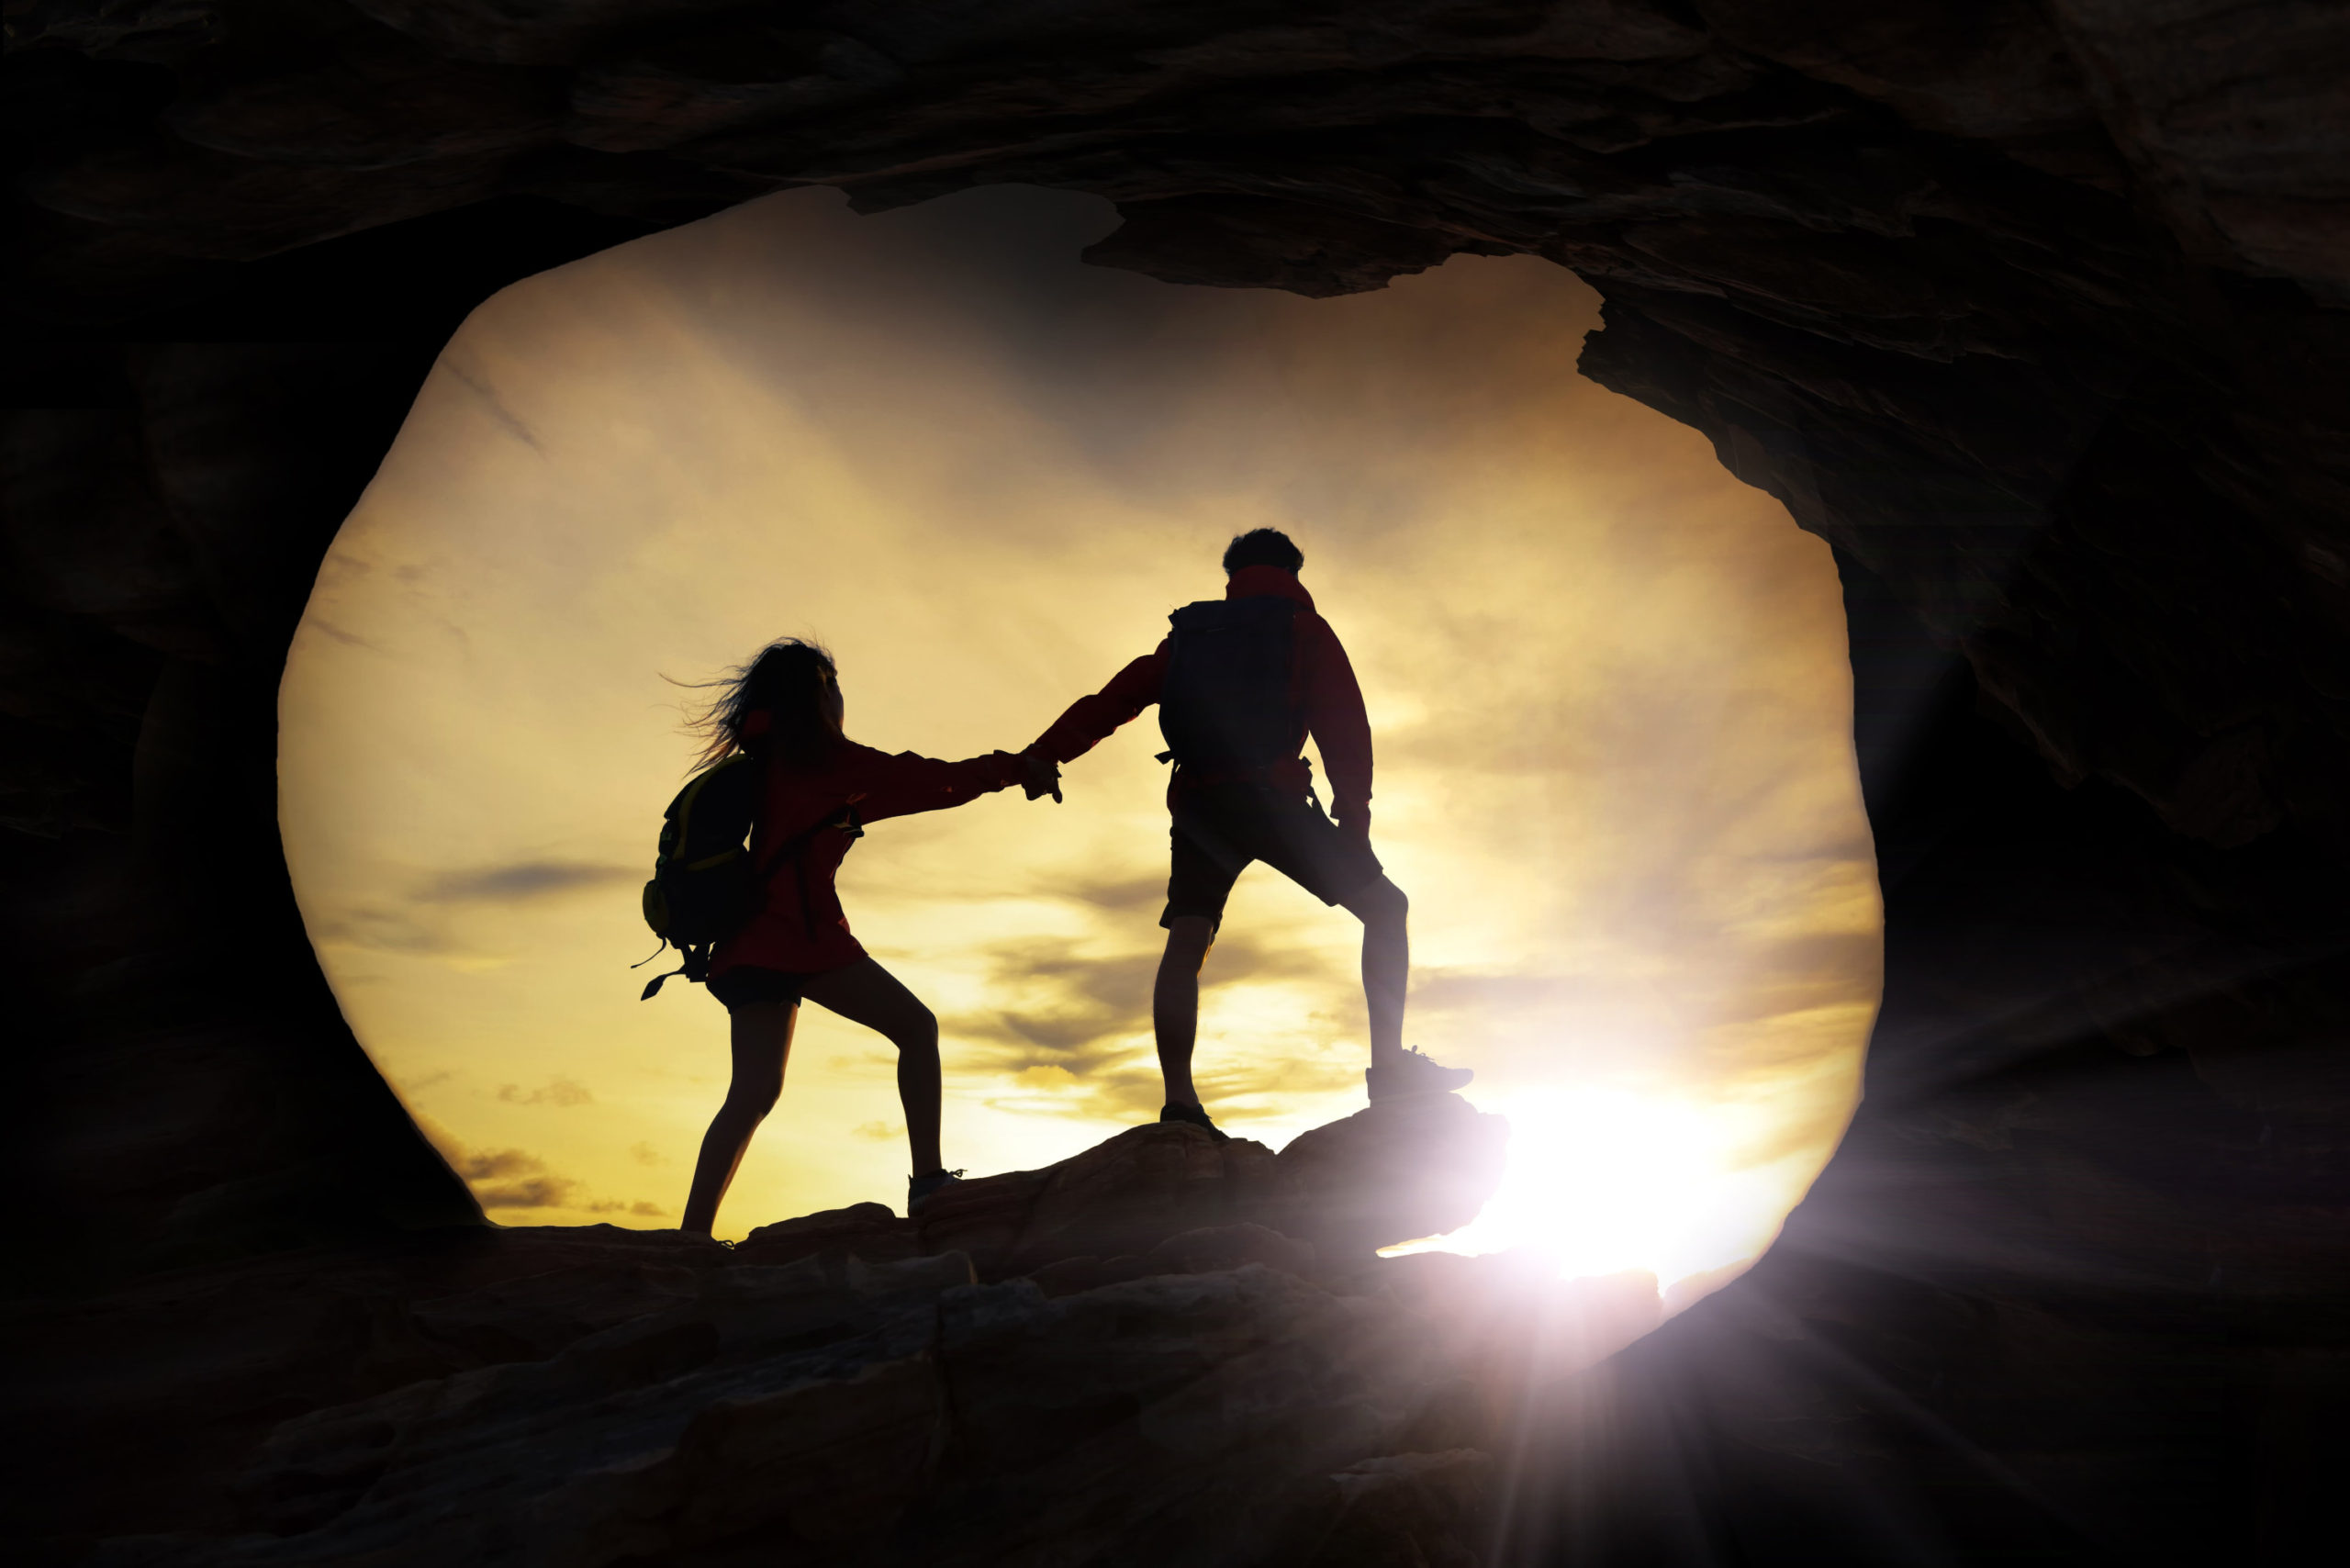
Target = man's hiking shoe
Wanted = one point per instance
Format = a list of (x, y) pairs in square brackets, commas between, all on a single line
[(1196, 1116), (920, 1189), (1414, 1074)]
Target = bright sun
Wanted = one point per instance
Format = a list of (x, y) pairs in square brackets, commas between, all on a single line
[(1610, 1182)]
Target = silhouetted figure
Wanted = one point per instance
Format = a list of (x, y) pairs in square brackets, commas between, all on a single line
[(819, 787), (1240, 682)]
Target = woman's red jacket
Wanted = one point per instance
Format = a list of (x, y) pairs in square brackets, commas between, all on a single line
[(877, 784)]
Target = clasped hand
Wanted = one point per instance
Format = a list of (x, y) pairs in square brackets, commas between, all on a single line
[(1040, 775)]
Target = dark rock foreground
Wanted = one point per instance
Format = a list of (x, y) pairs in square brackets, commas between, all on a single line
[(1163, 1350)]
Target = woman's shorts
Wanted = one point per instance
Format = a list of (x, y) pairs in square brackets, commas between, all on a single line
[(744, 986), (1220, 828)]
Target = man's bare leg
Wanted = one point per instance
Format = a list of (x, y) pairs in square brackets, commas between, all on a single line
[(1175, 1002), (1385, 914), (761, 1035)]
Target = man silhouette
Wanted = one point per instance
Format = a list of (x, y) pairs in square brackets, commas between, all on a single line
[(1240, 682)]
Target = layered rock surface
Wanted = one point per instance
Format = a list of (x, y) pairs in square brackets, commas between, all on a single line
[(1118, 1359)]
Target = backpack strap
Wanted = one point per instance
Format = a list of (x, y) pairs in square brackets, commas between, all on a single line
[(694, 966)]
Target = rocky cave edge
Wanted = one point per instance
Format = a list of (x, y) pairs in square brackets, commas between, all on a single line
[(2033, 309)]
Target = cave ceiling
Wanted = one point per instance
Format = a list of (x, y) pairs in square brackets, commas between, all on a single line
[(2030, 309)]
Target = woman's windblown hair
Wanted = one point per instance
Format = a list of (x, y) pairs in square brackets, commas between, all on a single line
[(794, 682)]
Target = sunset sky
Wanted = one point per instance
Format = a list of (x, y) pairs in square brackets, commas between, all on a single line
[(1607, 684)]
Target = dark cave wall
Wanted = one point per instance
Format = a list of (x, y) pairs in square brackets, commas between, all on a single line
[(194, 1092), (166, 498), (2033, 311)]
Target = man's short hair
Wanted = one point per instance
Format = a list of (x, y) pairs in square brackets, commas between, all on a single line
[(1263, 547)]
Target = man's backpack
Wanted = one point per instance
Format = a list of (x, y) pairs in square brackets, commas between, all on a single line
[(1225, 701), (704, 887)]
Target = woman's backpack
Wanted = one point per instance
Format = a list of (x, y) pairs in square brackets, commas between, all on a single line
[(704, 887)]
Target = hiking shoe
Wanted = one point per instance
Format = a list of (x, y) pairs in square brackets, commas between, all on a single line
[(921, 1189), (1196, 1117), (1413, 1075)]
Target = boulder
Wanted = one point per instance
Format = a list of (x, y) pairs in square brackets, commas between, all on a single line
[(1398, 1172), (870, 1231), (1122, 1197)]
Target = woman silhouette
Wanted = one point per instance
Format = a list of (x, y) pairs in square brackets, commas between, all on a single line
[(784, 710)]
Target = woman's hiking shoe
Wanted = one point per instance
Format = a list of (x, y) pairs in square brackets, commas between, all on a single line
[(1414, 1074), (1197, 1117), (920, 1189)]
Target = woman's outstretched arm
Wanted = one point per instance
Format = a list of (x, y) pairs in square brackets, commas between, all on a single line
[(899, 784)]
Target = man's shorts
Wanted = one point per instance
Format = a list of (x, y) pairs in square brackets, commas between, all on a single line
[(1220, 828), (743, 985)]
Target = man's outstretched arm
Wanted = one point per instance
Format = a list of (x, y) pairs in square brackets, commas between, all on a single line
[(1090, 719)]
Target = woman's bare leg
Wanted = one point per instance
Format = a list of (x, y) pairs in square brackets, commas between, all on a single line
[(761, 1034), (868, 994)]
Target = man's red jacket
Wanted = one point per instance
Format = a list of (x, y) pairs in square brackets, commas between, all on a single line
[(1323, 691)]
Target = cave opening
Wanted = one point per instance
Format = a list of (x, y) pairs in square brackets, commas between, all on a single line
[(1607, 680)]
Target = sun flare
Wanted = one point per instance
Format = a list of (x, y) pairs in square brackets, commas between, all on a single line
[(1614, 1181)]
